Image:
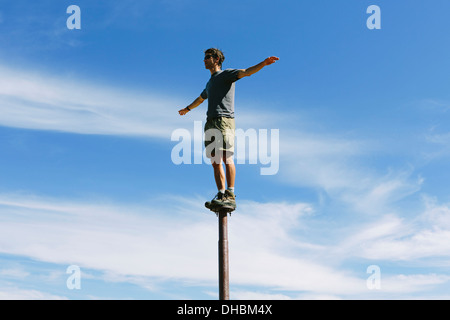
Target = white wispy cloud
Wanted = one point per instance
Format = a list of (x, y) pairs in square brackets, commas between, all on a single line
[(400, 237), (14, 293), (151, 242), (175, 240), (320, 160), (18, 273), (35, 100)]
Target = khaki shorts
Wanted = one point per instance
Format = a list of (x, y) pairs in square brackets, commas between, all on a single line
[(219, 135)]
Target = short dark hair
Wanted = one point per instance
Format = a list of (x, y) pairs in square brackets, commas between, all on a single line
[(216, 53)]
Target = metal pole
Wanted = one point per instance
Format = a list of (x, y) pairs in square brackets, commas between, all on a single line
[(224, 290)]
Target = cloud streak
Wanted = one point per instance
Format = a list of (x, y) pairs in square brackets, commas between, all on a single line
[(36, 100), (138, 243), (151, 242), (44, 102)]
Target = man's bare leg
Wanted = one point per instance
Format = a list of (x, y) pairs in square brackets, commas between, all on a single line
[(229, 197), (219, 174), (230, 169)]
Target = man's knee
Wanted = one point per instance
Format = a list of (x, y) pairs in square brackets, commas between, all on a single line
[(229, 161), (216, 164)]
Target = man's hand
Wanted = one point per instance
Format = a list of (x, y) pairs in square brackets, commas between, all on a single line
[(271, 60), (183, 111)]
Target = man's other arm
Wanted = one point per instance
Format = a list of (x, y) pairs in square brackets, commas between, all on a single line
[(252, 70), (193, 105)]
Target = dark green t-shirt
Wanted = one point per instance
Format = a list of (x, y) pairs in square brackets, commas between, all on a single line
[(220, 93)]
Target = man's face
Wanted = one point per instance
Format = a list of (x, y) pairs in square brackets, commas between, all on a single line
[(209, 61)]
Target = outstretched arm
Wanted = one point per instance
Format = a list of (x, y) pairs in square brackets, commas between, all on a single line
[(252, 70), (193, 105)]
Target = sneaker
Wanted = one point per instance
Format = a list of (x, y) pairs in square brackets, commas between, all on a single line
[(228, 200), (211, 205)]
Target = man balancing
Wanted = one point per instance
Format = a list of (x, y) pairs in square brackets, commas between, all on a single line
[(220, 119)]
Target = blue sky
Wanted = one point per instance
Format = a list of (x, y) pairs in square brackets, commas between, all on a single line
[(87, 179)]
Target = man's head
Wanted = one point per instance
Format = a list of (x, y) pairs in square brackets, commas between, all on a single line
[(213, 56)]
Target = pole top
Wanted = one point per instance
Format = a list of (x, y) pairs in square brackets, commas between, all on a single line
[(223, 210)]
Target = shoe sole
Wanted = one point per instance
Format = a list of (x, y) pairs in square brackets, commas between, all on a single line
[(224, 208), (216, 207), (226, 204)]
